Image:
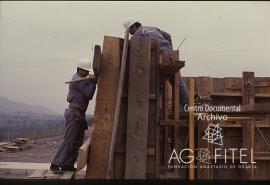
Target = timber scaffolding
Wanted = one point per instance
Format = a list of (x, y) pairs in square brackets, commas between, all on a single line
[(152, 123)]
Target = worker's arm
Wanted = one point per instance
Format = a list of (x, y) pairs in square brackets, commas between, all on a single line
[(86, 88), (166, 35)]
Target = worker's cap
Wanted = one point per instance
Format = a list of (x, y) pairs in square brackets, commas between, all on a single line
[(129, 22), (84, 63)]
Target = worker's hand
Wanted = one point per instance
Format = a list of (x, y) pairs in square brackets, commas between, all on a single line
[(92, 78)]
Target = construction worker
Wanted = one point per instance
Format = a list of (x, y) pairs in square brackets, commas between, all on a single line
[(165, 44), (79, 95)]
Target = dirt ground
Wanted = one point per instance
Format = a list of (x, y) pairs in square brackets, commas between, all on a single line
[(42, 150)]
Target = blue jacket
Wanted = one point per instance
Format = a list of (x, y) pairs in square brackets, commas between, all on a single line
[(80, 93), (165, 41)]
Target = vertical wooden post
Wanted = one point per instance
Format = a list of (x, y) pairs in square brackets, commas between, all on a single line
[(191, 128), (166, 144), (138, 106), (153, 114), (175, 103), (248, 98), (248, 82), (205, 87), (158, 104)]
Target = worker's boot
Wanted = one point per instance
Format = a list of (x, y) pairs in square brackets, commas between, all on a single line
[(69, 168), (56, 169)]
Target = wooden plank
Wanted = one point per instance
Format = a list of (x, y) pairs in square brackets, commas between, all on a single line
[(153, 113), (233, 83), (169, 122), (118, 103), (262, 170), (38, 174), (248, 98), (176, 132), (158, 106), (256, 108), (96, 60), (166, 148), (83, 153), (236, 94), (226, 94), (150, 151), (67, 175), (191, 127), (262, 158), (174, 55), (262, 95), (261, 135), (248, 142), (151, 96), (205, 88), (169, 68), (138, 107), (119, 165), (105, 108), (47, 174), (120, 143), (158, 151)]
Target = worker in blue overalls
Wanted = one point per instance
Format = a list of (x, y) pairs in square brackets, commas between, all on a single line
[(79, 95), (165, 44)]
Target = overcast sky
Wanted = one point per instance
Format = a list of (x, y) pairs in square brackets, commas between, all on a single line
[(41, 42)]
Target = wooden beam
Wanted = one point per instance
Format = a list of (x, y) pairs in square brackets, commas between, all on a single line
[(191, 128), (166, 148), (176, 131), (105, 108), (248, 91), (256, 108), (138, 106), (248, 98), (120, 142), (96, 60), (153, 113), (47, 174), (169, 68), (83, 154), (118, 103), (248, 142), (205, 88), (158, 106)]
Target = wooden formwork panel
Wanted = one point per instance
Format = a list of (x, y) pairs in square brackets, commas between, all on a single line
[(120, 143), (138, 107), (170, 131), (253, 93), (135, 149), (232, 86), (152, 170), (105, 108), (262, 172)]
